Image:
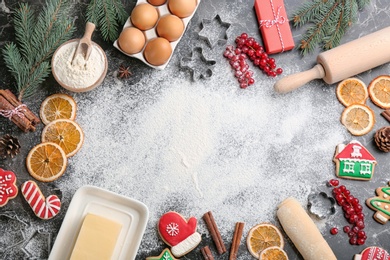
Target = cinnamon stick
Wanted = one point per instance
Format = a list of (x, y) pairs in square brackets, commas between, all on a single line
[(215, 235), (20, 121), (386, 114), (207, 255), (15, 102), (236, 240)]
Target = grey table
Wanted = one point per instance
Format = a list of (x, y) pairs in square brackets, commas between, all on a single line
[(193, 146)]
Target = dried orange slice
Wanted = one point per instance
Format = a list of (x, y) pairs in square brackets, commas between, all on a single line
[(352, 91), (66, 133), (262, 236), (46, 162), (358, 119), (379, 91), (58, 106), (273, 253)]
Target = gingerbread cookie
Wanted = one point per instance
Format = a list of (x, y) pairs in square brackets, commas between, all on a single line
[(8, 189), (165, 255), (354, 161), (381, 204), (179, 233), (44, 209), (373, 253)]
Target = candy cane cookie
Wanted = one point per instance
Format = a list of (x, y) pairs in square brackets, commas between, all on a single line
[(44, 209)]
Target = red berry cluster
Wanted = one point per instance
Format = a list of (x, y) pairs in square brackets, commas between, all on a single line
[(241, 67), (353, 212), (248, 47)]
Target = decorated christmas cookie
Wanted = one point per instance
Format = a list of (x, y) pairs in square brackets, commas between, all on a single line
[(8, 189), (165, 255), (373, 253), (381, 204), (178, 233), (44, 209), (354, 161)]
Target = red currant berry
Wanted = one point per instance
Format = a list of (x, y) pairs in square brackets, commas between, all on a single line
[(361, 234), (346, 229), (334, 182), (244, 35), (360, 241), (279, 71), (353, 240), (334, 231)]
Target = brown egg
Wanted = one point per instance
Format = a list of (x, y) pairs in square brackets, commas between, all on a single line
[(170, 27), (182, 8), (157, 51), (144, 16), (157, 2), (131, 40)]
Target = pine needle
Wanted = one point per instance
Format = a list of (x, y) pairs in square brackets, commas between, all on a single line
[(108, 15), (327, 22), (37, 37)]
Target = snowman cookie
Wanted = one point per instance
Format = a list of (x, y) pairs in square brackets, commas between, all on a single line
[(177, 232)]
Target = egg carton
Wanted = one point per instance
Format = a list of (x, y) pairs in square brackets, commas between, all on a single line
[(151, 33)]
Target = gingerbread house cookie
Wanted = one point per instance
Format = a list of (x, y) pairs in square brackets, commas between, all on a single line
[(354, 161)]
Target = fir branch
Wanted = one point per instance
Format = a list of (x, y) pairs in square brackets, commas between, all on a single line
[(107, 15), (329, 20), (36, 40)]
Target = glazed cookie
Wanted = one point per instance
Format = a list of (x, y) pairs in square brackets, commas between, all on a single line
[(354, 161), (178, 233), (373, 253), (8, 189), (165, 255), (44, 209), (381, 204)]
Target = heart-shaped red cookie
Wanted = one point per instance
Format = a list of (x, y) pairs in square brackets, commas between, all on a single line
[(178, 233), (8, 189)]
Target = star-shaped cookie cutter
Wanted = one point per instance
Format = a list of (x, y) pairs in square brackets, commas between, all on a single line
[(214, 31), (198, 65)]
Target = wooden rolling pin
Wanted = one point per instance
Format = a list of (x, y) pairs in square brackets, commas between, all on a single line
[(343, 61)]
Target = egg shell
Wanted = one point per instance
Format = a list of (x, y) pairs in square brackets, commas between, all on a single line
[(156, 2), (144, 16), (158, 51), (182, 8), (170, 27), (131, 40)]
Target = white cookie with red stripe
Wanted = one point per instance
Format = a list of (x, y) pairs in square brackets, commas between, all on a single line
[(43, 208)]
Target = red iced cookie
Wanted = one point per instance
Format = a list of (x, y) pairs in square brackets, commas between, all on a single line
[(373, 253), (8, 189), (179, 233)]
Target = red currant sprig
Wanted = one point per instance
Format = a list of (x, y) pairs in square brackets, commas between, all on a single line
[(238, 62), (249, 46), (353, 212)]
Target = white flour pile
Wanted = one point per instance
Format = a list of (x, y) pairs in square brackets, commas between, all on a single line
[(195, 147)]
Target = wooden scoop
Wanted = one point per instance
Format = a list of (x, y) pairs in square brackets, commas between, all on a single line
[(84, 46), (343, 61)]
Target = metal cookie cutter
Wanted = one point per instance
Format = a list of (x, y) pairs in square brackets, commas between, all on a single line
[(321, 205), (198, 65), (214, 31)]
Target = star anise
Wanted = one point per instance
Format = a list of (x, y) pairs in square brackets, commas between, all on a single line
[(124, 72)]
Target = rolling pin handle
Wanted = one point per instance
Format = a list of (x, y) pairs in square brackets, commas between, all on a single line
[(294, 81)]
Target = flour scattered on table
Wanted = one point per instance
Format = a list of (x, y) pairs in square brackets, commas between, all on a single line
[(198, 147)]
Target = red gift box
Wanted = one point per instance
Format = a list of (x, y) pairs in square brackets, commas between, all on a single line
[(274, 26)]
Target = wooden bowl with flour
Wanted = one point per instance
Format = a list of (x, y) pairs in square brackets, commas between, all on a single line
[(74, 72)]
